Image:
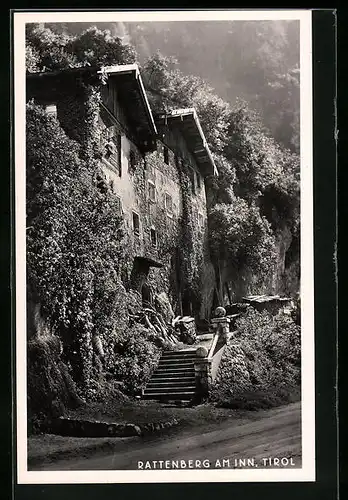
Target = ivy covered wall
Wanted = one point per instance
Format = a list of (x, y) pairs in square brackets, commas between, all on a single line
[(162, 194)]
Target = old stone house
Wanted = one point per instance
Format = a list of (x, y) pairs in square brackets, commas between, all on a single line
[(156, 166)]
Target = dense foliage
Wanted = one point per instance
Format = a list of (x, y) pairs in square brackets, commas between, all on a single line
[(47, 50), (256, 195), (74, 240), (261, 366), (256, 172), (169, 88), (76, 244), (135, 358), (240, 235), (254, 60)]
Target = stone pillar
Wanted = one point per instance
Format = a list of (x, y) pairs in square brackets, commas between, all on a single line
[(202, 372), (222, 326)]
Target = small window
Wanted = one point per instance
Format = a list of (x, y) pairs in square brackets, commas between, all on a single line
[(153, 235), (200, 220), (166, 155), (152, 191), (110, 133), (199, 183), (118, 205), (168, 203), (136, 224), (132, 160), (192, 175), (51, 109)]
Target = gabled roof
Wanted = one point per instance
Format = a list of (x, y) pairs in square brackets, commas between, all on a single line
[(131, 90), (129, 85), (188, 123)]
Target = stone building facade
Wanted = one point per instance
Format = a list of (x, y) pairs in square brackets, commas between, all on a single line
[(157, 168)]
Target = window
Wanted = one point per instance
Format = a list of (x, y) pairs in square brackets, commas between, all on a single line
[(118, 205), (131, 160), (119, 153), (51, 109), (136, 224), (152, 191), (153, 235), (199, 184), (192, 175), (168, 203), (110, 133), (200, 220), (166, 155)]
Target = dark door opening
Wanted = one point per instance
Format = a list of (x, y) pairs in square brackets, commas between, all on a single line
[(146, 295)]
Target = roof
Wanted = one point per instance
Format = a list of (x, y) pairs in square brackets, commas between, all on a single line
[(188, 122), (132, 91), (148, 261), (265, 298)]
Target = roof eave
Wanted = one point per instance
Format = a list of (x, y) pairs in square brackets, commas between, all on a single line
[(192, 112), (134, 69)]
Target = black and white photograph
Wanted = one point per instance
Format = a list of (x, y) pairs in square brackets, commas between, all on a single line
[(164, 248)]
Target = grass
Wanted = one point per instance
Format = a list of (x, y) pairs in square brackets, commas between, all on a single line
[(143, 412), (254, 401)]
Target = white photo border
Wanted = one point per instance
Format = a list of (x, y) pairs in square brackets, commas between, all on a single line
[(307, 472)]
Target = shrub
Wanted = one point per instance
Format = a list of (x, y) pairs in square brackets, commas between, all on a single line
[(260, 367), (135, 358), (50, 386)]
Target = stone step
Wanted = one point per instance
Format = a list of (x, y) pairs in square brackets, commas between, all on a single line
[(164, 372), (178, 358), (168, 354), (173, 389), (177, 376), (176, 364), (183, 396), (170, 383)]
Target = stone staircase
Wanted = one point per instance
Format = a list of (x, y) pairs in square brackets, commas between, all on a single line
[(174, 377)]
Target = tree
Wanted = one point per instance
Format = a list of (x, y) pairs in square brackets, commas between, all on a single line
[(93, 47), (49, 49), (170, 89), (99, 48), (257, 176), (242, 237)]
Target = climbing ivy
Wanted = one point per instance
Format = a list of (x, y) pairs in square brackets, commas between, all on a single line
[(74, 242), (190, 245)]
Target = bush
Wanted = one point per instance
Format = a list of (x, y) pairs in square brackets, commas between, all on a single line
[(50, 386), (135, 358), (260, 367)]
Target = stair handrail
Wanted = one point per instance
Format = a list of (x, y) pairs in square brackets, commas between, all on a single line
[(213, 345)]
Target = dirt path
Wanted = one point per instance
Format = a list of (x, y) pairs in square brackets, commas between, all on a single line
[(277, 434)]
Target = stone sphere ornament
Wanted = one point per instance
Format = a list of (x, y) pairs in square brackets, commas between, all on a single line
[(220, 312), (201, 352)]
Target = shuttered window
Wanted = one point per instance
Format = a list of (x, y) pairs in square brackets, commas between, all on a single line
[(136, 224), (152, 191)]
